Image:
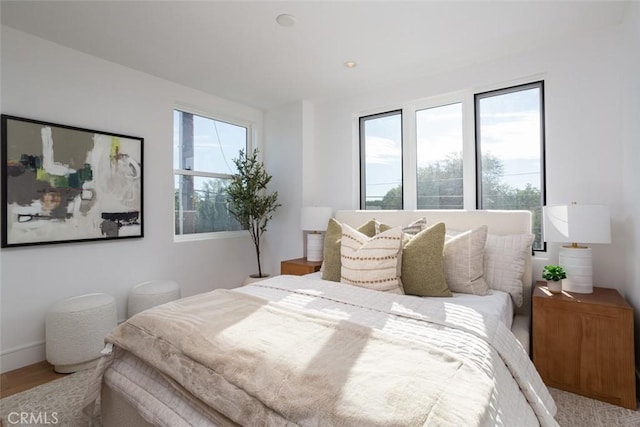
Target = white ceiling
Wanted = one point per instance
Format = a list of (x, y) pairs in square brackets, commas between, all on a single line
[(236, 50)]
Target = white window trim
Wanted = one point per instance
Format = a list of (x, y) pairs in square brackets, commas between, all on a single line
[(252, 138), (218, 116), (468, 142), (202, 174), (211, 236)]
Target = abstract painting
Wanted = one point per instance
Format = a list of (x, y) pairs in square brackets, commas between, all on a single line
[(64, 184)]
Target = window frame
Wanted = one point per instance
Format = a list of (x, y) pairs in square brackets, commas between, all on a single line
[(363, 153), (218, 117), (478, 153), (471, 176), (477, 97), (442, 101)]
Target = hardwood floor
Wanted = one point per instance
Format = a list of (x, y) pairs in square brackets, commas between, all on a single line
[(22, 379)]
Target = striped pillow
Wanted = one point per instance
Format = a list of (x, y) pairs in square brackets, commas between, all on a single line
[(331, 265), (374, 262), (411, 230)]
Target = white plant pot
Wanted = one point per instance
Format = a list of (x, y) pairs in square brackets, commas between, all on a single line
[(554, 286)]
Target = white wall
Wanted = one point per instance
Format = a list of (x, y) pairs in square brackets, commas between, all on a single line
[(592, 148), (290, 144), (631, 171), (284, 127), (45, 81)]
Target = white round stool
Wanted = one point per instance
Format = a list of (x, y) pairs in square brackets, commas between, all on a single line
[(149, 294), (75, 329)]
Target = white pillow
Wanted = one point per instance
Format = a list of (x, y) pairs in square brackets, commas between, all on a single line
[(504, 262), (374, 262), (464, 261)]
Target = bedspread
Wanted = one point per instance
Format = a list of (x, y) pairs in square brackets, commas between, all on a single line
[(304, 352)]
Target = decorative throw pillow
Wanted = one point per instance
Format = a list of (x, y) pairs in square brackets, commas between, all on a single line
[(464, 261), (412, 229), (371, 262), (504, 263), (331, 264), (423, 263)]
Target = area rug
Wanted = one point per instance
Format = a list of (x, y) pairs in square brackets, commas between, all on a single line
[(59, 403), (575, 410), (56, 403)]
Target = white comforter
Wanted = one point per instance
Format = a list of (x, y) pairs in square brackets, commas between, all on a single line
[(519, 397), (515, 395)]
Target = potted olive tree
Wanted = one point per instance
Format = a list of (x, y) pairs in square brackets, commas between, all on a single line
[(249, 203), (554, 274)]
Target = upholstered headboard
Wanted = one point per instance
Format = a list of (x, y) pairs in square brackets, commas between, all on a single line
[(498, 222)]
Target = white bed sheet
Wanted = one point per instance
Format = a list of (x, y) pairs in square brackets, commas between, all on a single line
[(497, 303)]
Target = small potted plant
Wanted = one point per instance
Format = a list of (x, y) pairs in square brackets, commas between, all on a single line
[(554, 274)]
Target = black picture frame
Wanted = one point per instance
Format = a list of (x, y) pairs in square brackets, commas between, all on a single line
[(64, 184)]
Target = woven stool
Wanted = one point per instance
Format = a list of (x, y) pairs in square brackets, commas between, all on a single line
[(75, 329), (149, 294)]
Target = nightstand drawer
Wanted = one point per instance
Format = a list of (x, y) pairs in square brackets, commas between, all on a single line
[(299, 266)]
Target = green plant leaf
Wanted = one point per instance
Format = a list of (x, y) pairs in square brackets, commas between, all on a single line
[(554, 273), (250, 204)]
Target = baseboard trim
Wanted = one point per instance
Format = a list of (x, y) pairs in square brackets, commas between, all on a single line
[(21, 356)]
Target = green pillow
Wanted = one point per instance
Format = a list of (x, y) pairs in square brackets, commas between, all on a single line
[(332, 264), (423, 263)]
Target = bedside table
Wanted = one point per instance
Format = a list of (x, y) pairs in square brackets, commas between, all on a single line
[(299, 266), (583, 343)]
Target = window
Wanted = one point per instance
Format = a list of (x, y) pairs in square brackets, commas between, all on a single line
[(203, 153), (509, 143), (381, 161), (439, 157), (469, 150)]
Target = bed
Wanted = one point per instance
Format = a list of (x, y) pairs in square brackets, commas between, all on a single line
[(296, 350)]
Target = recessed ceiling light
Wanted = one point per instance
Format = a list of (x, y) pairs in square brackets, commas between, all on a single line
[(286, 20), (350, 64)]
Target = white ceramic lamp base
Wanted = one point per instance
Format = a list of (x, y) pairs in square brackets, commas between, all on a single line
[(315, 244), (577, 263)]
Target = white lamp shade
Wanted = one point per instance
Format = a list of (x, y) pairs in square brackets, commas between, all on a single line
[(314, 218), (577, 224)]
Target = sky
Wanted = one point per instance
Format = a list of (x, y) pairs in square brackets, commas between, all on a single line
[(226, 140), (510, 130)]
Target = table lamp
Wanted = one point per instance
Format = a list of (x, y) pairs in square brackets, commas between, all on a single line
[(577, 224), (314, 220)]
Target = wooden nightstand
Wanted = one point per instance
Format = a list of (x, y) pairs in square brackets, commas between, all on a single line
[(583, 343), (299, 266)]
